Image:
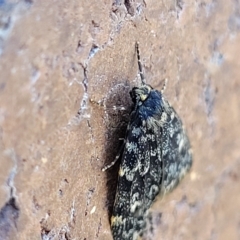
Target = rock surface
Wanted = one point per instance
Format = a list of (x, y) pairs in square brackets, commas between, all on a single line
[(57, 55)]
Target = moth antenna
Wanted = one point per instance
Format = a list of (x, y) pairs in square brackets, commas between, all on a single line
[(140, 65), (164, 85)]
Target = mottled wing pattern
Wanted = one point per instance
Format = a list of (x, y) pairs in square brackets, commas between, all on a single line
[(176, 151), (156, 156), (140, 177)]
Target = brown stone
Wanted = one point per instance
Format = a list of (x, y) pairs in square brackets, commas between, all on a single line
[(57, 55)]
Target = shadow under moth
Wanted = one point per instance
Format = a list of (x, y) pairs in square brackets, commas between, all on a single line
[(155, 156)]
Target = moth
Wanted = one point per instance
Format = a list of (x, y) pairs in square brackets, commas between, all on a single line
[(155, 156)]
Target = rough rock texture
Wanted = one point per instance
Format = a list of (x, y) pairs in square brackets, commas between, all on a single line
[(57, 55)]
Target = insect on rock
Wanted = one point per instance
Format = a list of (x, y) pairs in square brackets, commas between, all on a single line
[(156, 155)]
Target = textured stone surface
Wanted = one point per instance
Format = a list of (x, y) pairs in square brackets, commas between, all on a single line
[(56, 55)]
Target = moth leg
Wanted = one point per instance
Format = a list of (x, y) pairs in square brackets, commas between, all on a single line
[(122, 108), (102, 104), (164, 86), (99, 103), (115, 160)]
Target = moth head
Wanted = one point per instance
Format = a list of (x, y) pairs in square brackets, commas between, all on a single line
[(140, 94)]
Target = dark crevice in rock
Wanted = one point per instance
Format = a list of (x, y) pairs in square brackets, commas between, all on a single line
[(84, 101), (93, 51), (9, 215), (85, 80), (129, 7), (179, 7), (44, 233), (54, 233), (89, 197), (80, 46), (99, 227)]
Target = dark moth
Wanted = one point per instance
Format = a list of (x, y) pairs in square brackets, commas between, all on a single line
[(156, 155)]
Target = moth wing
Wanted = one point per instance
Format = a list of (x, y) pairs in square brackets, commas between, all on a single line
[(140, 177), (176, 151)]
